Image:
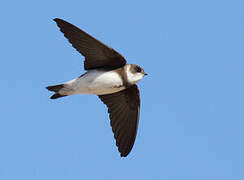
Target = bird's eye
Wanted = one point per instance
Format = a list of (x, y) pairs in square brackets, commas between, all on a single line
[(138, 69)]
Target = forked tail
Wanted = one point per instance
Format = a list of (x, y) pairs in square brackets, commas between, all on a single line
[(57, 89)]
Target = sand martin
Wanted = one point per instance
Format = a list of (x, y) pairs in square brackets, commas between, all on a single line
[(109, 77)]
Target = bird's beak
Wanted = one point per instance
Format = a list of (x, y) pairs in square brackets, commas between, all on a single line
[(145, 74)]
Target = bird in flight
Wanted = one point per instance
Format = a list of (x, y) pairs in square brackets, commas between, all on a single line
[(108, 76)]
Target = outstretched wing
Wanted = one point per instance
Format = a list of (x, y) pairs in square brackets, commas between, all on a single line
[(97, 54), (124, 109)]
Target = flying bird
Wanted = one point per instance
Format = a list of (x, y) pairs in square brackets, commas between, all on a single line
[(108, 76)]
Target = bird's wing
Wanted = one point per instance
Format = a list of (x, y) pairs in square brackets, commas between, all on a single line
[(97, 54), (124, 110)]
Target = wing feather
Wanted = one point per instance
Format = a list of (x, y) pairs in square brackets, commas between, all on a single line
[(97, 54), (124, 108)]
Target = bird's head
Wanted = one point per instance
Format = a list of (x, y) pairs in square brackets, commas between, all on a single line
[(134, 73)]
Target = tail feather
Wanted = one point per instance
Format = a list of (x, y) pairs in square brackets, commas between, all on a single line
[(56, 89), (56, 95)]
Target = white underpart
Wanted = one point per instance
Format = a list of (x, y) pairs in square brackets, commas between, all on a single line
[(94, 82), (133, 78)]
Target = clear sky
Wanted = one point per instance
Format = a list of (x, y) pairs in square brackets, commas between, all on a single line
[(192, 112)]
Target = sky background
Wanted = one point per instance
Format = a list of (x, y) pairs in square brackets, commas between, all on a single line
[(192, 101)]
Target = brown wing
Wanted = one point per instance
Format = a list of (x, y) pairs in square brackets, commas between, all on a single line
[(97, 54), (124, 109)]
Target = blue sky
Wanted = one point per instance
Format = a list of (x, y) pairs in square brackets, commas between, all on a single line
[(192, 112)]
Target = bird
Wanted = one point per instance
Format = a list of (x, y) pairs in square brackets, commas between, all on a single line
[(110, 78)]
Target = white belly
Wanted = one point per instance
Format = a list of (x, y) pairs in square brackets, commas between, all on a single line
[(96, 82)]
